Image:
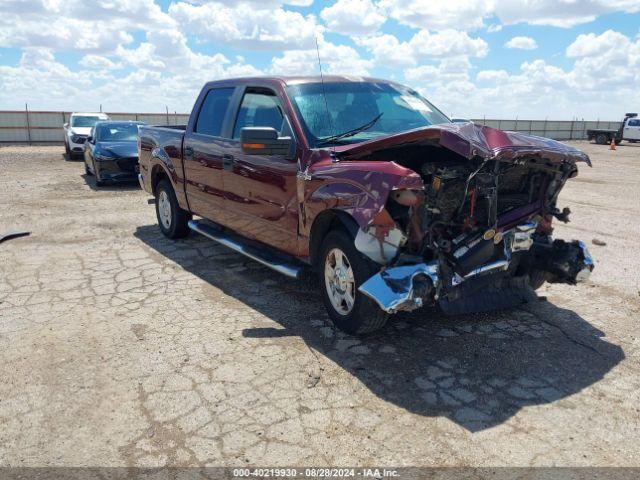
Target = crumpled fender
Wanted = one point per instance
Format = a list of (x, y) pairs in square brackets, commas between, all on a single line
[(359, 188)]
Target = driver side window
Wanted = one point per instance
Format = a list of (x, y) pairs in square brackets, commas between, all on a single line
[(258, 109)]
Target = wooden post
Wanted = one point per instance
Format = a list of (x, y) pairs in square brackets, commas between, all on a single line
[(26, 109)]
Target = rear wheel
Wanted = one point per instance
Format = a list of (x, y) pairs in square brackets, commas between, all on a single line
[(341, 270), (601, 139), (173, 220)]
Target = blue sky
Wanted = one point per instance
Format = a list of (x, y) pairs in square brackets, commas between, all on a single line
[(473, 58)]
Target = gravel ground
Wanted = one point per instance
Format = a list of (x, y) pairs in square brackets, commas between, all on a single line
[(119, 347)]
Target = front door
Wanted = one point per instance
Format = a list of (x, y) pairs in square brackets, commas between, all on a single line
[(203, 151), (632, 129), (260, 190)]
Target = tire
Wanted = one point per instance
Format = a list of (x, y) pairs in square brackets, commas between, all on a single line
[(618, 141), (537, 279), (67, 150), (601, 139), (363, 315), (86, 169), (172, 219)]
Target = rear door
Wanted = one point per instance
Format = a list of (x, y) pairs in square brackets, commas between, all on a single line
[(260, 190), (632, 129), (205, 144)]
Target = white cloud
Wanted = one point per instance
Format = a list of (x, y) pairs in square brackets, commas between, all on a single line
[(522, 43), (76, 24), (336, 59), (246, 25), (605, 73), (439, 14), (389, 51), (355, 17), (470, 14), (98, 61), (559, 13)]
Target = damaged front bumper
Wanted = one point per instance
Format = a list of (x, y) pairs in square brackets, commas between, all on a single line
[(408, 287), (402, 288)]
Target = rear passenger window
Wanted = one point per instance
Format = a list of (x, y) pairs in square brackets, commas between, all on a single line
[(213, 111), (258, 110)]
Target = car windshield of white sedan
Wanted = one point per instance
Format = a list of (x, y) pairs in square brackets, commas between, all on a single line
[(84, 121), (349, 112), (117, 133)]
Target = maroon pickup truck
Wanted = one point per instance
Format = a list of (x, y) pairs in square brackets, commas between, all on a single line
[(372, 187)]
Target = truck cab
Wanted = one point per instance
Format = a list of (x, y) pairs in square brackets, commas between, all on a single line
[(631, 128), (367, 185)]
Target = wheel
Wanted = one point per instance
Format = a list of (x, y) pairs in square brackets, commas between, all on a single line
[(341, 270), (601, 139), (67, 150), (86, 169), (172, 219), (537, 278), (618, 141)]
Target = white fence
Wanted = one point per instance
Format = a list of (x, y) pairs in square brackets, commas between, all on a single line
[(46, 127), (34, 127), (556, 129)]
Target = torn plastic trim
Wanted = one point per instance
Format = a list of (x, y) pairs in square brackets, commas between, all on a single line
[(394, 290)]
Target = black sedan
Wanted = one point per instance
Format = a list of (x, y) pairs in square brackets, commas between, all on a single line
[(111, 152)]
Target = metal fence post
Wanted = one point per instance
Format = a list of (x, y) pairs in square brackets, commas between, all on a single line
[(26, 109), (544, 128)]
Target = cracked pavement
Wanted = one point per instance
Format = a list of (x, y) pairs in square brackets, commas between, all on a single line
[(119, 347)]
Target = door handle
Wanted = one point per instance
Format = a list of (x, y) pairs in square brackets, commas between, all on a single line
[(188, 153), (227, 162)]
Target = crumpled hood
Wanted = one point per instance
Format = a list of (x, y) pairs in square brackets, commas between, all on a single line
[(81, 130), (470, 140), (119, 149)]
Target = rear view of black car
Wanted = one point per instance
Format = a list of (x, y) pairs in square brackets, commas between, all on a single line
[(111, 152)]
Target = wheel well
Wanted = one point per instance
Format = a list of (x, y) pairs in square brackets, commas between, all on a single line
[(324, 223), (157, 174)]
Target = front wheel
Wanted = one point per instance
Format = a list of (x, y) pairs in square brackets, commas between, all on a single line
[(172, 219), (342, 269)]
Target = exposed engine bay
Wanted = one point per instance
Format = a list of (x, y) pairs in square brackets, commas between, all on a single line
[(478, 237)]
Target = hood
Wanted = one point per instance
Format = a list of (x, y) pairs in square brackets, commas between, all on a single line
[(81, 130), (119, 149), (470, 140)]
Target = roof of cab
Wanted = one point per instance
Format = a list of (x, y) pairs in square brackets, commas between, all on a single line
[(296, 80)]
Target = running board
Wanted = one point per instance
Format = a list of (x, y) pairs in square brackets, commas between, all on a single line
[(272, 261)]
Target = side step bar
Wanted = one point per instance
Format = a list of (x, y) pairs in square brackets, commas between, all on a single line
[(272, 261)]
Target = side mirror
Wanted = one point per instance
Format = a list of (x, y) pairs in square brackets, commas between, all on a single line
[(66, 125), (264, 141)]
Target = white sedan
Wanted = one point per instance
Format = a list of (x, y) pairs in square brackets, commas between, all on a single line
[(78, 129)]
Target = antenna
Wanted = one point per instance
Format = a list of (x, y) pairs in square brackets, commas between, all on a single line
[(324, 94)]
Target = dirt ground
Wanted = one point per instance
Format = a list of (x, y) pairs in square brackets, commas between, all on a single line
[(119, 347)]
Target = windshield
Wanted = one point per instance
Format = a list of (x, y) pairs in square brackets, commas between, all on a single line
[(84, 121), (352, 105), (117, 133)]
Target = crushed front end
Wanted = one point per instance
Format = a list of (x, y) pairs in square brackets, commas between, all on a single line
[(478, 237)]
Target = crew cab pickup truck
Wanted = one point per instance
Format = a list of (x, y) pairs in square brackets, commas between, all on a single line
[(367, 184), (629, 130)]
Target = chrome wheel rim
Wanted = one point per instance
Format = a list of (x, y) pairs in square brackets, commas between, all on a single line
[(164, 209), (339, 281)]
